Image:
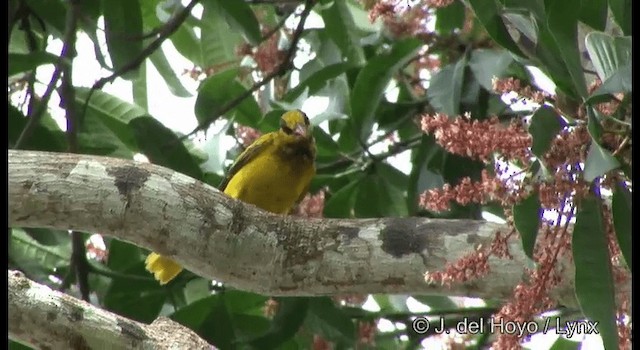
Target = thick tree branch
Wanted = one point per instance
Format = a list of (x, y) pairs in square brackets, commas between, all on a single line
[(224, 239), (49, 319)]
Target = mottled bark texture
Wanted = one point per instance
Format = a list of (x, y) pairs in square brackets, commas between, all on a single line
[(48, 319), (223, 239)]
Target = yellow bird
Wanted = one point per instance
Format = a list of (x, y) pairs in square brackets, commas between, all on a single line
[(273, 173)]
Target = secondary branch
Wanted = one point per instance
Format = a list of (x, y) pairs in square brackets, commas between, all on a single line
[(49, 319)]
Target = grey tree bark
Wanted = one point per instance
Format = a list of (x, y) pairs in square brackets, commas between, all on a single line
[(224, 239), (48, 319)]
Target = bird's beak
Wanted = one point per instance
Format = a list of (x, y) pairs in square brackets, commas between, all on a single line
[(300, 130)]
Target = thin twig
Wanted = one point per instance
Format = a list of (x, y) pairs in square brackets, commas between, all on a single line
[(67, 98), (278, 26), (280, 70), (167, 30), (93, 268)]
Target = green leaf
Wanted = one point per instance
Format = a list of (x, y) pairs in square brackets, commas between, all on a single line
[(619, 81), (36, 259), (372, 81), (210, 319), (527, 215), (621, 210), (241, 18), (52, 12), (163, 147), (216, 91), (48, 237), (123, 32), (377, 197), (14, 345), (608, 53), (340, 204), (445, 88), (290, 316), (593, 277), (422, 178), (46, 135), (437, 302), (123, 255), (488, 13), (191, 47), (329, 321), (316, 81), (340, 27), (449, 18), (139, 88), (167, 73), (19, 62), (562, 20), (621, 10), (487, 64), (544, 126), (112, 112), (565, 344), (594, 14), (218, 43), (599, 162), (140, 299)]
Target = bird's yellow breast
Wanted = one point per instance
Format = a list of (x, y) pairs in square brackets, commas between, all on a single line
[(272, 181)]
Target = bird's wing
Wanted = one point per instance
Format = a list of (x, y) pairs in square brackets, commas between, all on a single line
[(249, 154)]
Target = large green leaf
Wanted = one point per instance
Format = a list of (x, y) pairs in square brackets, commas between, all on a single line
[(488, 13), (445, 88), (622, 216), (167, 73), (450, 18), (594, 13), (163, 147), (340, 27), (565, 344), (112, 112), (527, 215), (209, 318), (562, 20), (621, 10), (140, 299), (218, 90), (123, 32), (52, 13), (340, 204), (619, 81), (46, 135), (372, 81), (316, 81), (599, 161), (139, 88), (608, 53), (291, 314), (194, 49), (19, 62), (329, 321), (487, 64), (544, 126), (218, 43), (593, 276), (241, 19), (36, 259)]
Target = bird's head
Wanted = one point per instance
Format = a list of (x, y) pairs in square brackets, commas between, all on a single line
[(295, 124)]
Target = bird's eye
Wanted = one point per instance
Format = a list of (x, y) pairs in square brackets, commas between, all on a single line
[(285, 128), (306, 120)]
